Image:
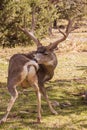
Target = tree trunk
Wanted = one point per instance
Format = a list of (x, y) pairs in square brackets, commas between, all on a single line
[(33, 20), (55, 24), (50, 29)]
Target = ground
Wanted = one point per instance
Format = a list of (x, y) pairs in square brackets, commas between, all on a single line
[(66, 91)]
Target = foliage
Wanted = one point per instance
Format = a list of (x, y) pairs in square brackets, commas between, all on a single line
[(37, 15), (72, 8)]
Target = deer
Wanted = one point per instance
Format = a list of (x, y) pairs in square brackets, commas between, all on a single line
[(34, 69)]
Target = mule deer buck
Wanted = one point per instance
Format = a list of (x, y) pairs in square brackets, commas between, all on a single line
[(35, 69)]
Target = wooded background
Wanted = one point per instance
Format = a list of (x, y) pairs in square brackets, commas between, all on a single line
[(38, 16)]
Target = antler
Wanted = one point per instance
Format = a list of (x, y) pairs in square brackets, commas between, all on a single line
[(31, 35), (65, 34)]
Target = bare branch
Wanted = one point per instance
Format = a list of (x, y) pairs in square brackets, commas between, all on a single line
[(69, 26), (31, 35), (33, 20)]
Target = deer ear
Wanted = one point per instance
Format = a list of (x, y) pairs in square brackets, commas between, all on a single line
[(56, 49), (46, 53)]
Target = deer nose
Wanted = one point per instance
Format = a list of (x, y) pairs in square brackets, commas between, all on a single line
[(35, 60)]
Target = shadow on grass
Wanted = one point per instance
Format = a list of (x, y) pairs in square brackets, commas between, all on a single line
[(69, 92), (25, 106), (81, 67)]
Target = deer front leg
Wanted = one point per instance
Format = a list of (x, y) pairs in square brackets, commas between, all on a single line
[(38, 94), (14, 95), (43, 91)]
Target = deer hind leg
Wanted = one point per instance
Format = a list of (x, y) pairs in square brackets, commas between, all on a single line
[(43, 91), (14, 95), (13, 92), (33, 80)]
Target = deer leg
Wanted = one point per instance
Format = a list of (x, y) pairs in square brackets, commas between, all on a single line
[(38, 94), (43, 91), (14, 95), (33, 80)]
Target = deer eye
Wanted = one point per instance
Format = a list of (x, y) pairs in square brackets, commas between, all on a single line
[(46, 53)]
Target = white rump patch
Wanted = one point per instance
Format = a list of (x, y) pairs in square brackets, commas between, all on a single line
[(30, 63), (31, 73)]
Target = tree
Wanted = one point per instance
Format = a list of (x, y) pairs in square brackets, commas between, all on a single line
[(69, 9)]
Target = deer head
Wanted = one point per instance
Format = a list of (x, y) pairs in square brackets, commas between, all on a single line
[(45, 57)]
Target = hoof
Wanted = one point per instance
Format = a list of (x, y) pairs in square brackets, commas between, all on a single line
[(38, 120), (3, 120), (54, 112)]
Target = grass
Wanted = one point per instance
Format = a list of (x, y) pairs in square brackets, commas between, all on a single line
[(66, 88)]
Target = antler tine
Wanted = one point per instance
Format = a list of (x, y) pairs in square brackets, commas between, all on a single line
[(69, 26), (65, 34), (31, 35)]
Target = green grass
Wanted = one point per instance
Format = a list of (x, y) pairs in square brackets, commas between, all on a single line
[(67, 87)]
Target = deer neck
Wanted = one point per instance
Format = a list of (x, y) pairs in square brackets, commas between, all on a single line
[(49, 70)]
